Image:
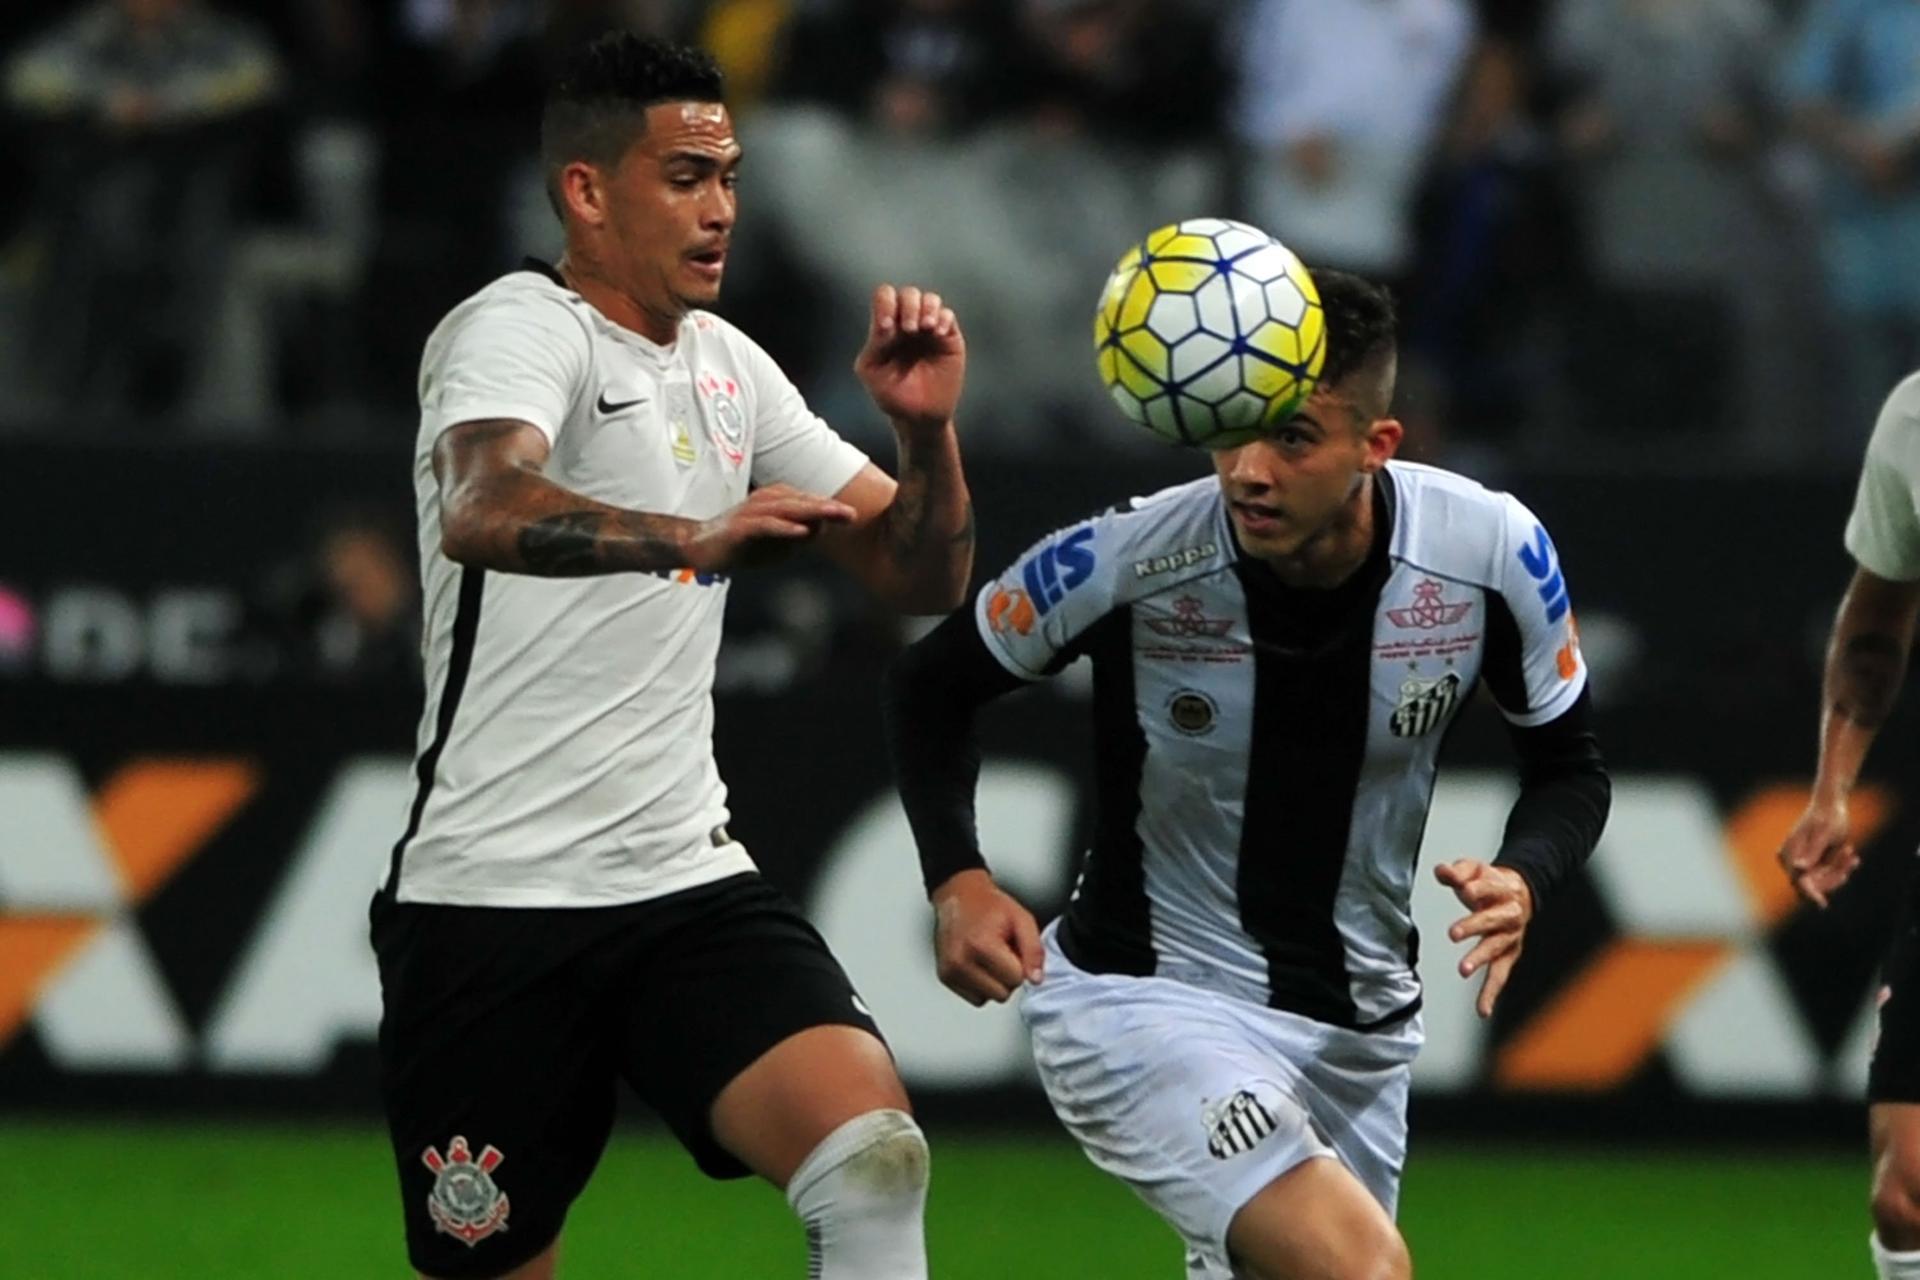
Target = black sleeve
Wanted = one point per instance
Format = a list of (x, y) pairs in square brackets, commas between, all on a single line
[(929, 699), (1564, 796)]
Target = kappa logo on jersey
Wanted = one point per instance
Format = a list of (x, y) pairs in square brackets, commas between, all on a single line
[(729, 424), (1010, 610), (1188, 621), (465, 1202), (1424, 704), (1542, 563), (1238, 1125), (1430, 609), (1059, 566), (1155, 565)]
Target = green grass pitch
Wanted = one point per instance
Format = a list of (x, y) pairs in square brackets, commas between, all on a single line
[(101, 1201)]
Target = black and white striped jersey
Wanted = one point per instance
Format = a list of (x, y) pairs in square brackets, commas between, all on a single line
[(1266, 755)]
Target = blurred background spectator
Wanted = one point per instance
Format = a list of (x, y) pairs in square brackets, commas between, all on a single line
[(345, 609), (1855, 83), (1610, 221), (1667, 117), (136, 109), (1339, 101)]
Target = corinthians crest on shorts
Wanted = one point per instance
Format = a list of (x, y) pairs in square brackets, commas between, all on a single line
[(1237, 1125), (465, 1201)]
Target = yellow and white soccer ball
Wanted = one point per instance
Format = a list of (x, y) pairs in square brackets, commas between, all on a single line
[(1210, 331)]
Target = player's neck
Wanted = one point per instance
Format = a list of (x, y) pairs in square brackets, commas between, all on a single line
[(1336, 553), (585, 277)]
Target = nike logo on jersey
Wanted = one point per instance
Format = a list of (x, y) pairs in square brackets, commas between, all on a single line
[(606, 406)]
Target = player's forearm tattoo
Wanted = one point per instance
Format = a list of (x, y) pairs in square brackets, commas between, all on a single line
[(907, 517), (1865, 678), (563, 546), (910, 521), (575, 544)]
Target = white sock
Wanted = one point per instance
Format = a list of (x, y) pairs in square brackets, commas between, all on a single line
[(1891, 1265), (862, 1193)]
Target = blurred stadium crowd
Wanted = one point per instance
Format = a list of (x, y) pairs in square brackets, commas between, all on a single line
[(1617, 226)]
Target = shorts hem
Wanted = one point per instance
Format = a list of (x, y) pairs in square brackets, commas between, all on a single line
[(499, 1262)]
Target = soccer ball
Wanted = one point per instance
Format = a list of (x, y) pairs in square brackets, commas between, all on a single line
[(1208, 332)]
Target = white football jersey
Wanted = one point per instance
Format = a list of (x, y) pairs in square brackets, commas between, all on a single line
[(1263, 783), (1883, 533), (565, 751)]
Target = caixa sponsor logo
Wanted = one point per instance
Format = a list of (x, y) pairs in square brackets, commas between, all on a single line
[(1057, 567), (1542, 564), (691, 577)]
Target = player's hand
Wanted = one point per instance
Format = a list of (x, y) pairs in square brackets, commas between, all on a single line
[(769, 524), (985, 943), (1819, 853), (1502, 906), (915, 360)]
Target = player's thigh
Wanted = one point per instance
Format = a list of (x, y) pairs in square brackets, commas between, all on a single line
[(1316, 1222), (745, 1034), (497, 1077), (772, 1115), (1164, 1089)]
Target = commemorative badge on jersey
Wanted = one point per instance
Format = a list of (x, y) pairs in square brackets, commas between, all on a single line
[(729, 430), (465, 1202), (679, 419)]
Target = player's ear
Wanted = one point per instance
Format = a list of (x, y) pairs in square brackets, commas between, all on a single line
[(583, 194), (1382, 441)]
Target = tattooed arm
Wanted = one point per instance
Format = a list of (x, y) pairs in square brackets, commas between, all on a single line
[(1866, 663), (911, 543), (499, 511)]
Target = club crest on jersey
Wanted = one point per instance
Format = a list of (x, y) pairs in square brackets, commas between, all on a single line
[(1430, 609), (465, 1202), (729, 424), (1237, 1125), (1424, 704)]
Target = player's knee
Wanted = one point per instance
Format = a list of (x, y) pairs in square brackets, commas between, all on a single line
[(1384, 1257), (862, 1193), (1896, 1207), (893, 1165), (1373, 1255)]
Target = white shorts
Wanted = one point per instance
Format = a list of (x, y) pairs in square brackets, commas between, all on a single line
[(1198, 1100)]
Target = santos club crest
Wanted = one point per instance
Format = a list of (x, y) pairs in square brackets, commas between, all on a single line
[(1424, 704), (465, 1202)]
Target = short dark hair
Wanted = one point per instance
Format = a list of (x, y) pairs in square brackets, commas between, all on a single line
[(1362, 327), (597, 105)]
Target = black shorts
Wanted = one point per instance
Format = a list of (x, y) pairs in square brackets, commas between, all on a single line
[(1895, 1074), (505, 1032)]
